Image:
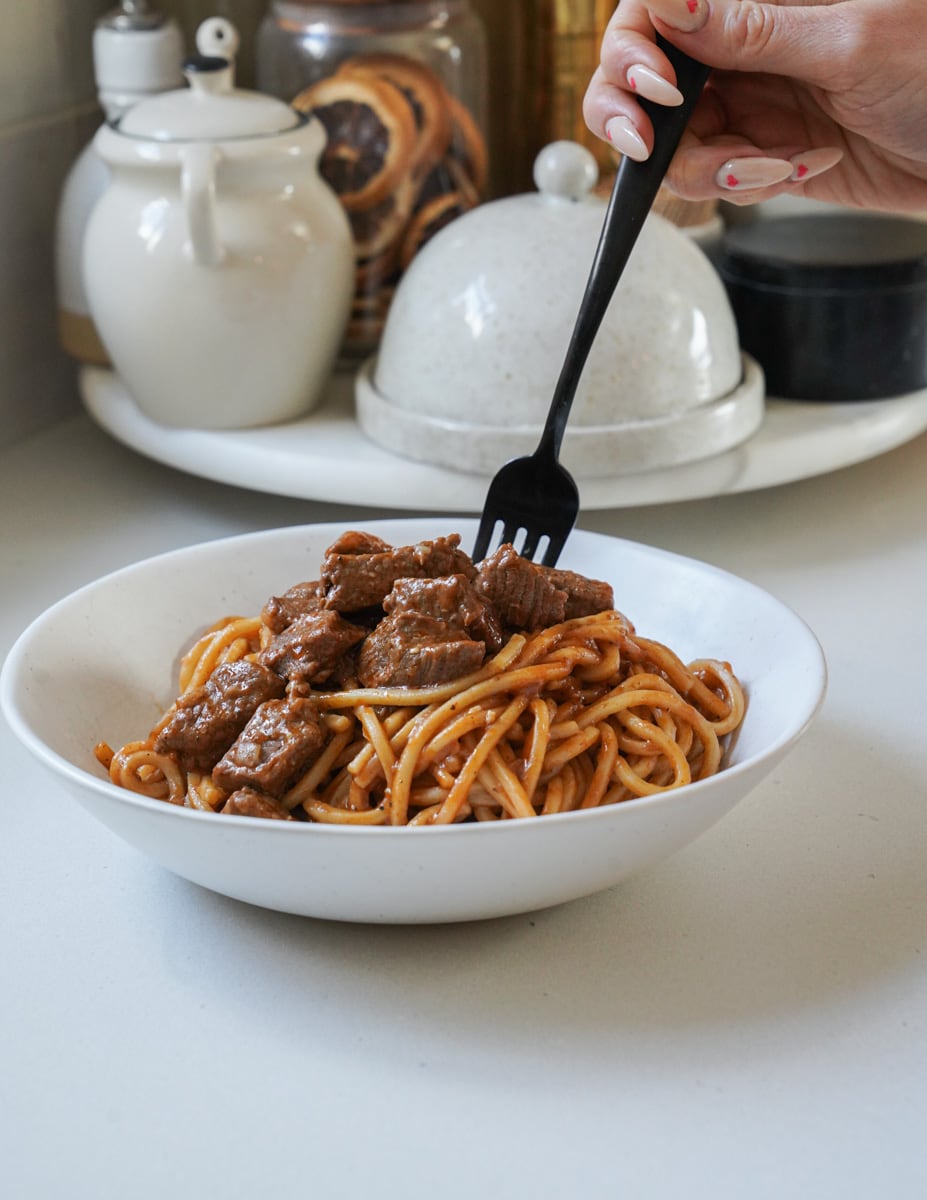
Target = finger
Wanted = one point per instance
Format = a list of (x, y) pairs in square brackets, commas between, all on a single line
[(685, 16), (631, 65), (630, 58), (786, 3), (616, 117), (728, 168), (799, 40), (733, 168)]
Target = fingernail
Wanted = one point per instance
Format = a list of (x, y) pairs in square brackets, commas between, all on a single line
[(684, 15), (652, 86), (814, 162), (625, 138), (744, 174)]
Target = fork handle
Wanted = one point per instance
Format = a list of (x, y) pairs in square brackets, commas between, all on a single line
[(633, 193)]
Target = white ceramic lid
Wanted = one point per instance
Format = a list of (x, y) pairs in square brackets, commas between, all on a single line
[(136, 52), (478, 330), (211, 108)]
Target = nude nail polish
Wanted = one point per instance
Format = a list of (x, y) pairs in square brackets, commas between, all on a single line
[(746, 174), (814, 162), (685, 15), (652, 86), (626, 140)]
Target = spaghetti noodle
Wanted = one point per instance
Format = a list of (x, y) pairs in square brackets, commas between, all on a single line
[(579, 715)]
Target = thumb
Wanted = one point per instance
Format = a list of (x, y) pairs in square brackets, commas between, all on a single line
[(798, 40)]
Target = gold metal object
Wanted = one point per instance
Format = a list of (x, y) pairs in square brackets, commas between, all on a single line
[(577, 27)]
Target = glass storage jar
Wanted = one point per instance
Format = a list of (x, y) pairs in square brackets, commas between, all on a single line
[(401, 88)]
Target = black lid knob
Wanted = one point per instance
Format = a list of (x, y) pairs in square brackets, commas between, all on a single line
[(202, 64)]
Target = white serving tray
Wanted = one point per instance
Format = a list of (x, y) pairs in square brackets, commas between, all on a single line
[(325, 456)]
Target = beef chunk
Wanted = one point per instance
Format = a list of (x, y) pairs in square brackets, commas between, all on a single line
[(204, 723), (309, 649), (451, 599), (520, 591), (355, 541), (246, 802), (273, 749), (585, 597), (415, 650), (359, 579), (281, 611)]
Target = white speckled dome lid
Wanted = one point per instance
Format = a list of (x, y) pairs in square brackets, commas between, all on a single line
[(480, 323)]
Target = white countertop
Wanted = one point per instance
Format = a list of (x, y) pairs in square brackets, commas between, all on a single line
[(749, 1020)]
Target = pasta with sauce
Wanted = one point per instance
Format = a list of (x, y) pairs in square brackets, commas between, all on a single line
[(413, 726)]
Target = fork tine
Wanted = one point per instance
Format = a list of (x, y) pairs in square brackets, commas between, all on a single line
[(509, 532), (483, 534), (532, 537), (554, 546)]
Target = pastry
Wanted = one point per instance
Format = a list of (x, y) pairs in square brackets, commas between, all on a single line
[(425, 94), (371, 136)]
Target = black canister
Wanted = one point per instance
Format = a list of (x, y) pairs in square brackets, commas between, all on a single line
[(832, 305)]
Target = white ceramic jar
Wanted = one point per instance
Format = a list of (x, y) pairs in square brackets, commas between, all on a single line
[(218, 264), (137, 53)]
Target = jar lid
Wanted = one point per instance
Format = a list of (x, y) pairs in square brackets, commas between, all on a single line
[(827, 250), (211, 108), (136, 51), (131, 16)]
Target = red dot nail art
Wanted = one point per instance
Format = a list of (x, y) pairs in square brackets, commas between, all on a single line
[(732, 181), (691, 5), (633, 83), (801, 171)]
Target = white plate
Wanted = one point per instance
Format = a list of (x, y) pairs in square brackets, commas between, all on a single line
[(327, 457), (99, 666)]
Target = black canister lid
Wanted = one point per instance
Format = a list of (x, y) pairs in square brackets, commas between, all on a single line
[(829, 250)]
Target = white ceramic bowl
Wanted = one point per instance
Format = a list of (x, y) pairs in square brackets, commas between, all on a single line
[(479, 326), (99, 665)]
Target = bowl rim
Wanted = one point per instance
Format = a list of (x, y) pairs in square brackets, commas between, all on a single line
[(16, 666)]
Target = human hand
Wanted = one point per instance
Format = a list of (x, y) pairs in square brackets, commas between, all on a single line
[(821, 98)]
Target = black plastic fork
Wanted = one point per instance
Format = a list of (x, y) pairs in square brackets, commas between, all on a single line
[(536, 493)]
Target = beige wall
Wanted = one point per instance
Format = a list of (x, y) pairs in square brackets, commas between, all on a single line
[(48, 112)]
